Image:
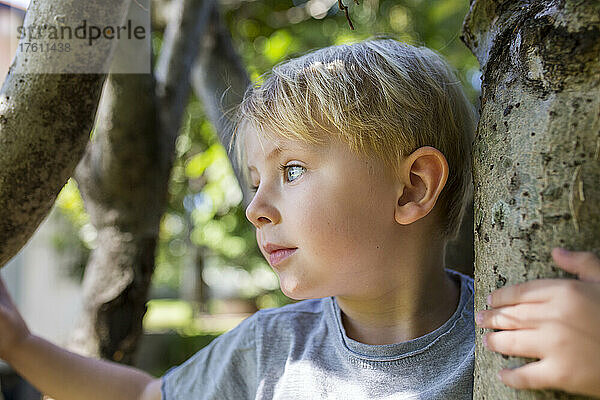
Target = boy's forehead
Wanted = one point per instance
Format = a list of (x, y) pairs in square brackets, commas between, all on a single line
[(262, 145), (259, 143)]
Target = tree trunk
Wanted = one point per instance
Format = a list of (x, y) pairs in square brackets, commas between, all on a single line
[(536, 152), (119, 181), (124, 180), (45, 120), (219, 79)]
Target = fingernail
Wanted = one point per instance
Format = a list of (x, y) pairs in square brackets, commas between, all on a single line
[(562, 252), (479, 318), (499, 375), (489, 300), (484, 340)]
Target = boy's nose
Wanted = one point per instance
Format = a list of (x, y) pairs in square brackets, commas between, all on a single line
[(261, 212)]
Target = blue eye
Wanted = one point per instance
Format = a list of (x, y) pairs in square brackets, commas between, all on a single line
[(292, 172)]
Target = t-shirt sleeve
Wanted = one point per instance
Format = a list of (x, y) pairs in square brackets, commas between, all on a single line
[(225, 369)]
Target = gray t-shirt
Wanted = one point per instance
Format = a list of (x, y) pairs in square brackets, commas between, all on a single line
[(301, 351)]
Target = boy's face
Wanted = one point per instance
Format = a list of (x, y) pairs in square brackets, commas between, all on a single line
[(333, 209)]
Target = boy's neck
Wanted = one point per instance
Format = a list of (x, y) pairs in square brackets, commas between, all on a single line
[(420, 306)]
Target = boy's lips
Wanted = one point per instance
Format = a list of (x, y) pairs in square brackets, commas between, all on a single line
[(278, 256), (278, 253)]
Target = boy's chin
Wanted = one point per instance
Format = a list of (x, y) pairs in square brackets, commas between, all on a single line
[(297, 293)]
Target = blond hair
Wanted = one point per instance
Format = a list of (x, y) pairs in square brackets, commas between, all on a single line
[(383, 98)]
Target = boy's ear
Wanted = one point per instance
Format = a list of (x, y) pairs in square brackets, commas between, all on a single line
[(423, 176)]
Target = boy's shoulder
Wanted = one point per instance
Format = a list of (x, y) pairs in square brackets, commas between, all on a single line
[(310, 306), (304, 309), (466, 285), (465, 281), (293, 319)]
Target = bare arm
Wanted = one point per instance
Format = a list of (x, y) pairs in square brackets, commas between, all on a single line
[(62, 374)]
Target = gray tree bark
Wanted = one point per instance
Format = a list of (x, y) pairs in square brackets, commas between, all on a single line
[(537, 150), (45, 121), (124, 180), (120, 180)]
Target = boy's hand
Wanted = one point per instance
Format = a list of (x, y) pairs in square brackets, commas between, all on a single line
[(554, 320), (13, 329)]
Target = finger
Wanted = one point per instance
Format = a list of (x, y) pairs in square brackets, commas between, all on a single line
[(528, 292), (520, 316), (530, 376), (584, 264), (520, 343)]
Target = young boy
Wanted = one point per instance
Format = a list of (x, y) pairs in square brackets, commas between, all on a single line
[(359, 157)]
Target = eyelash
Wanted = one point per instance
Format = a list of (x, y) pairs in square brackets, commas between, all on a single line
[(283, 168)]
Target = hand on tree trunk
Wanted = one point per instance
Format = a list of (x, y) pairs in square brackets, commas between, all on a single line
[(556, 321)]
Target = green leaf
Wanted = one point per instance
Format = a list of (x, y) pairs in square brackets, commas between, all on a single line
[(277, 46)]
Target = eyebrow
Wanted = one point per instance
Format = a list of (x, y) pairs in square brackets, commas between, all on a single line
[(276, 151)]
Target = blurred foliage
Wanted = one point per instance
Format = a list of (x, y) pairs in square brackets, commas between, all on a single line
[(269, 31), (159, 352), (171, 315), (76, 236), (205, 208)]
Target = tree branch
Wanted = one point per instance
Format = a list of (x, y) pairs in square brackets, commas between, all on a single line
[(219, 79), (45, 122), (124, 178)]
